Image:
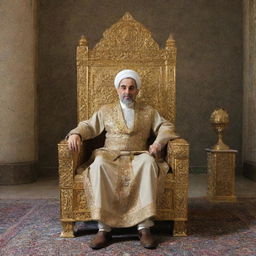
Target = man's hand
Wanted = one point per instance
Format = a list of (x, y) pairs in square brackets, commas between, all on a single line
[(74, 143), (155, 149)]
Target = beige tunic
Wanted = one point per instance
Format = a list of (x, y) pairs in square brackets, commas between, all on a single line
[(122, 179)]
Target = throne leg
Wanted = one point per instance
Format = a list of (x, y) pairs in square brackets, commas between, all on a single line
[(67, 229), (180, 228)]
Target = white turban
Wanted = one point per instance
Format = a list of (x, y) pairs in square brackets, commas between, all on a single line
[(127, 73)]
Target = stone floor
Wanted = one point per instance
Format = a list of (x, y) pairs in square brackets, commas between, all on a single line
[(47, 187)]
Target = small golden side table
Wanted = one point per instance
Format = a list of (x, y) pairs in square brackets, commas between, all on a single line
[(221, 175)]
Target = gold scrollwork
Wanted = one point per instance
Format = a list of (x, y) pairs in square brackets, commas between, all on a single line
[(66, 203), (80, 203), (178, 148), (165, 200), (126, 44), (221, 166), (65, 165)]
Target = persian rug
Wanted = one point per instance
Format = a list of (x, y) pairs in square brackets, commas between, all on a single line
[(32, 227)]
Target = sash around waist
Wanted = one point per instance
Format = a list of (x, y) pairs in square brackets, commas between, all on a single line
[(125, 144)]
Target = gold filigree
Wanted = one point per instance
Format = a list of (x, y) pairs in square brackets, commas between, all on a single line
[(66, 196), (80, 203), (126, 44), (221, 175), (166, 200), (82, 216), (124, 36), (181, 188), (178, 148), (65, 165)]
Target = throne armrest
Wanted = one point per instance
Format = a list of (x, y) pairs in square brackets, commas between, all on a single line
[(177, 150), (68, 164), (178, 159)]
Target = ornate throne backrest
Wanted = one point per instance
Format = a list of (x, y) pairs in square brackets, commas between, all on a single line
[(126, 45)]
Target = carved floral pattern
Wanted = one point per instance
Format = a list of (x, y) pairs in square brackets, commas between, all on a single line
[(65, 166), (80, 203), (221, 176), (66, 203), (126, 44)]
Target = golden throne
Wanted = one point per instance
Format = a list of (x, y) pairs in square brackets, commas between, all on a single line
[(125, 45)]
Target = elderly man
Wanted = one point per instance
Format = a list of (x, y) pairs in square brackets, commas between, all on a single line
[(122, 178)]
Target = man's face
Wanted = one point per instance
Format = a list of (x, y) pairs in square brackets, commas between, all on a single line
[(127, 90)]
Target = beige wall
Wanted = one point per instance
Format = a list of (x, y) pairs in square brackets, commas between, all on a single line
[(249, 114), (209, 64), (17, 111), (18, 151)]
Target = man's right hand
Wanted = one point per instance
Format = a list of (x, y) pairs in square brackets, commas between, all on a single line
[(74, 143)]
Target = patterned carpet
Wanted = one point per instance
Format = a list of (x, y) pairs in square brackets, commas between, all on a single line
[(31, 227)]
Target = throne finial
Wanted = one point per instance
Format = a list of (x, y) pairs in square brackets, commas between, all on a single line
[(170, 42), (127, 16), (82, 41)]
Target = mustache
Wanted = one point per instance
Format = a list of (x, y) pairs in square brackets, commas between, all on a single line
[(127, 95)]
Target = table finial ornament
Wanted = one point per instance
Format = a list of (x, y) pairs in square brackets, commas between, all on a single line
[(220, 120)]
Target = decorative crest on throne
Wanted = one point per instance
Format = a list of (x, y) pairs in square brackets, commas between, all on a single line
[(128, 39), (127, 36), (126, 44)]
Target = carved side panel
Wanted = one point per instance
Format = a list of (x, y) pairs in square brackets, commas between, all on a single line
[(66, 200), (65, 166), (80, 204), (181, 188), (81, 211), (165, 201)]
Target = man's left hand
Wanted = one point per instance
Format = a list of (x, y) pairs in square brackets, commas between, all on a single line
[(155, 149)]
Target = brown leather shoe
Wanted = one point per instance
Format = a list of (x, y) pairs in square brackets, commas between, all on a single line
[(101, 240), (146, 238)]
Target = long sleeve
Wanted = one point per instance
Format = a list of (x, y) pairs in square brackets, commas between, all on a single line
[(163, 129), (90, 128)]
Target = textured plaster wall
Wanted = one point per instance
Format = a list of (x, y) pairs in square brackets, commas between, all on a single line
[(208, 34), (17, 81), (249, 120)]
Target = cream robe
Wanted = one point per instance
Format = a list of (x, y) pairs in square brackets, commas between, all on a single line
[(121, 179)]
